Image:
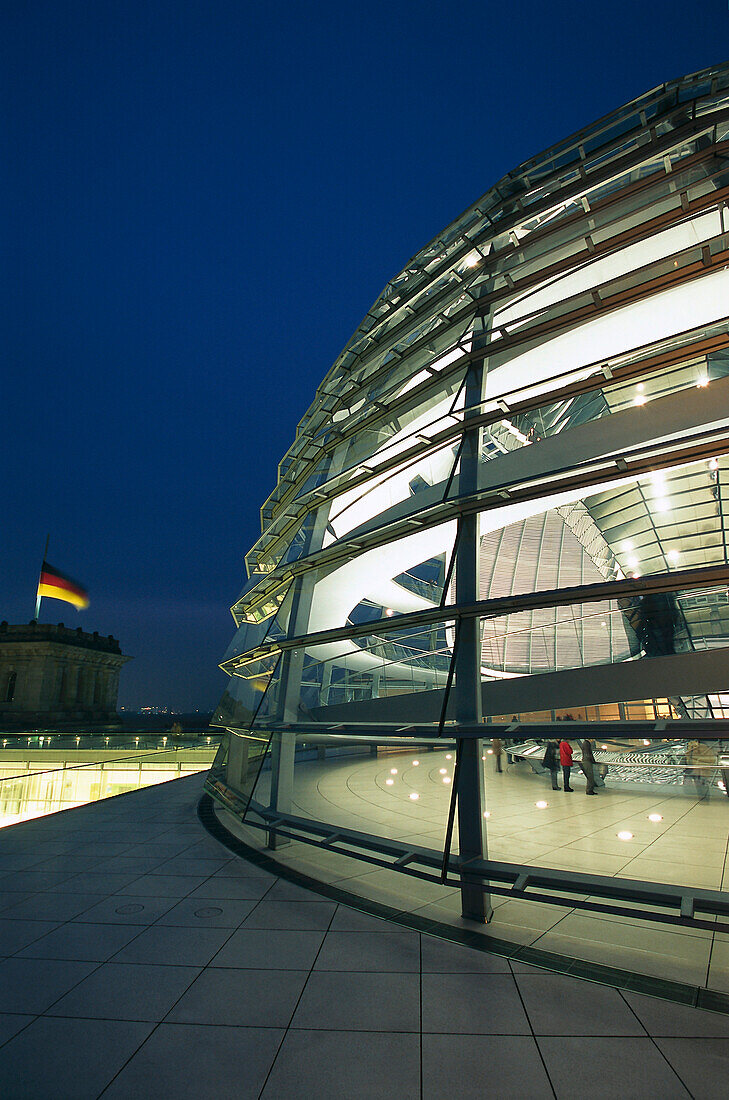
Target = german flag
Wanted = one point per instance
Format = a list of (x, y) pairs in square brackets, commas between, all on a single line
[(58, 586)]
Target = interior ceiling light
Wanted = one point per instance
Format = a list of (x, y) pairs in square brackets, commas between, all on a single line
[(414, 796), (541, 805), (640, 399), (655, 817), (625, 835)]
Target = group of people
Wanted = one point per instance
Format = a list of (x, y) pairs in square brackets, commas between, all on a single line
[(559, 754)]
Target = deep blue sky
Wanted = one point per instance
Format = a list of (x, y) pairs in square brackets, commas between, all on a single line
[(200, 200)]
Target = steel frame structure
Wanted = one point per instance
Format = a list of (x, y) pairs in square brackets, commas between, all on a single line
[(562, 350)]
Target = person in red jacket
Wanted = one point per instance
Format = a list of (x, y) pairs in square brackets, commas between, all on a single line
[(565, 759)]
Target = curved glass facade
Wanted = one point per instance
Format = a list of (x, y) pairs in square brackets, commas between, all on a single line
[(506, 504)]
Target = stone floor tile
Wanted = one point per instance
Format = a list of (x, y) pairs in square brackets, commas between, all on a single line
[(207, 912), (96, 882), (32, 985), (51, 906), (288, 891), (257, 949), (475, 1004), (127, 910), (171, 945), (598, 1068), (241, 889), (187, 1060), (560, 1005), (20, 860), (8, 898), (701, 1063), (27, 881), (291, 915), (90, 942), (155, 885), (394, 951), (251, 998), (241, 868), (66, 1059), (17, 934), (122, 864), (668, 1019), (360, 1002), (444, 957), (195, 867), (11, 1024), (123, 991), (493, 1066), (351, 920), (355, 1065)]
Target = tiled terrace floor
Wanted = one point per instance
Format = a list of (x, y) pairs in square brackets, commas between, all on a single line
[(140, 958)]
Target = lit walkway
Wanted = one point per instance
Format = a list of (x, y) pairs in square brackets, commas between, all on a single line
[(671, 837), (142, 959)]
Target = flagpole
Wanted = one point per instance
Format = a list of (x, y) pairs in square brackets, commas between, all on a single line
[(38, 597)]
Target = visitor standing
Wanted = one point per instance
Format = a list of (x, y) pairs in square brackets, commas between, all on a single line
[(565, 759), (551, 762), (497, 748), (588, 765)]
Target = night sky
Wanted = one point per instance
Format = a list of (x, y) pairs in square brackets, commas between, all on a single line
[(200, 201)]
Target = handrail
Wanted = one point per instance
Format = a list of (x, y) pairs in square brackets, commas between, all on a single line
[(510, 879)]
